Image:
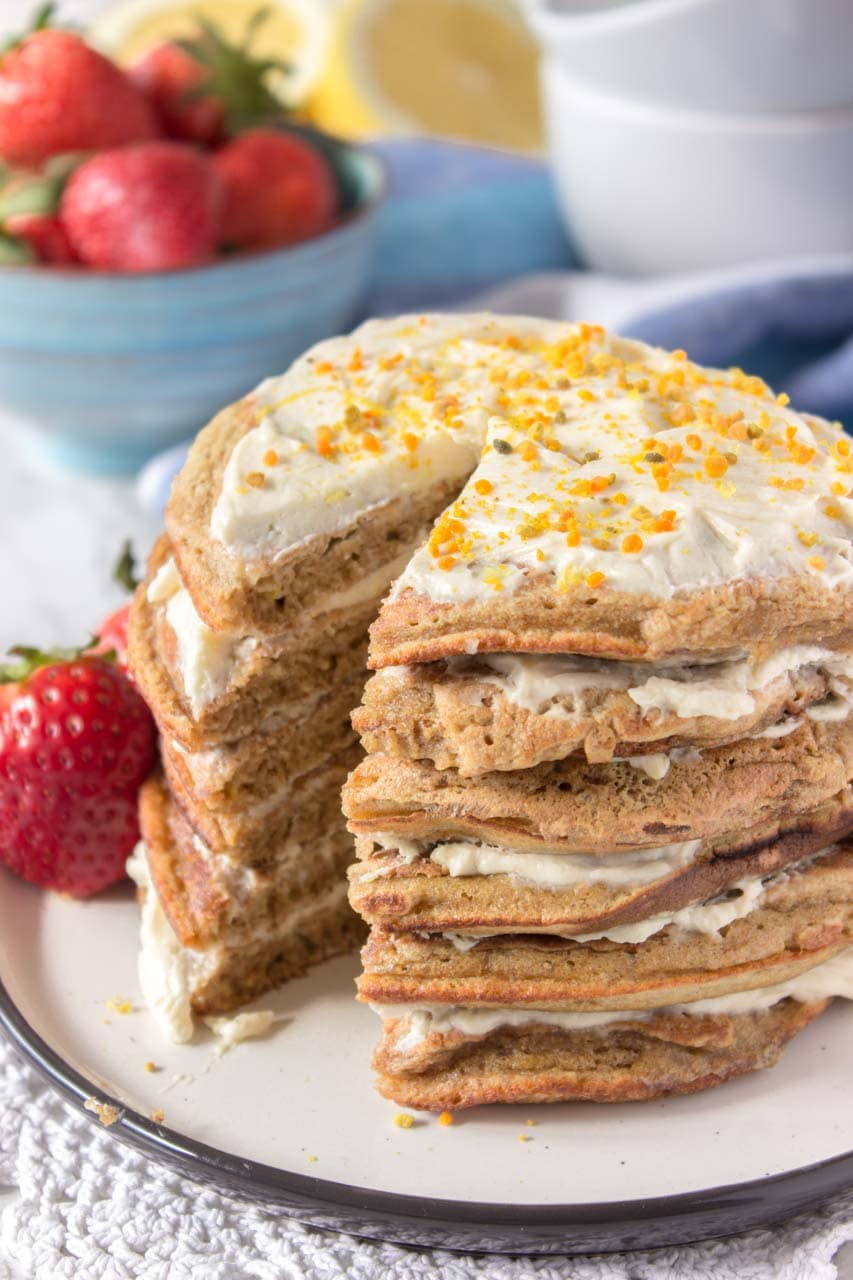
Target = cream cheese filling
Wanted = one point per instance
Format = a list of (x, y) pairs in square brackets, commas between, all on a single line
[(832, 978), (709, 917), (722, 691), (167, 970), (564, 870)]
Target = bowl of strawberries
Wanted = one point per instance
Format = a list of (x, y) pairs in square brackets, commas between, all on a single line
[(168, 236)]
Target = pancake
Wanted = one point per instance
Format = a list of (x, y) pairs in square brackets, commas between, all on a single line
[(573, 806), (209, 897), (239, 774), (302, 803), (411, 892), (514, 711), (239, 684), (655, 1059)]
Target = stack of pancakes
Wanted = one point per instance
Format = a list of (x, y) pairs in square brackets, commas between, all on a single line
[(601, 826)]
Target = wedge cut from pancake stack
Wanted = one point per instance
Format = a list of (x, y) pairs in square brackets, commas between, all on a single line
[(604, 825), (609, 760), (244, 850)]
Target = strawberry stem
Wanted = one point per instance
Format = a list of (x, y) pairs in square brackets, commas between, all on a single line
[(31, 659), (234, 76), (41, 20)]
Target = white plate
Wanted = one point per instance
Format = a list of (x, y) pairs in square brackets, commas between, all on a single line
[(292, 1119)]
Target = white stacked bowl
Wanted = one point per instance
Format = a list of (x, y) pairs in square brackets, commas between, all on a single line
[(692, 134)]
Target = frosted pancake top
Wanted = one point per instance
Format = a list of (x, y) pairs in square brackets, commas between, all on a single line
[(584, 458)]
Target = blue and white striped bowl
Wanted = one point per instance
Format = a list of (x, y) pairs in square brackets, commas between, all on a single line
[(114, 368)]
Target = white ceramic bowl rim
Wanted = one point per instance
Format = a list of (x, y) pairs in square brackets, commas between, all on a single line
[(772, 124), (328, 239), (634, 13)]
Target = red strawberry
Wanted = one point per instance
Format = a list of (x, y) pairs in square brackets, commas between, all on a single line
[(204, 87), (112, 636), (277, 190), (57, 95), (173, 81), (152, 207), (76, 742), (44, 235)]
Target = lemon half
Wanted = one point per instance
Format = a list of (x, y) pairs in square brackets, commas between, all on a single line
[(295, 31), (461, 69)]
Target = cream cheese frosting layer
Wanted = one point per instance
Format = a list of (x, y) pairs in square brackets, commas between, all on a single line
[(708, 917), (544, 870), (587, 457), (833, 978), (723, 690)]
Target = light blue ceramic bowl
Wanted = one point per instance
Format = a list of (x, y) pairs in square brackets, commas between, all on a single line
[(113, 368)]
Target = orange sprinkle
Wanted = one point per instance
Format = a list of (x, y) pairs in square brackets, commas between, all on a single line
[(446, 563), (595, 579), (323, 442), (573, 538), (838, 488), (807, 539), (410, 441), (632, 544), (586, 395), (620, 499), (323, 366), (783, 398), (390, 361), (356, 363), (483, 487), (832, 510), (255, 479), (693, 441), (370, 443), (599, 483), (682, 414), (528, 451), (270, 458), (716, 466), (445, 1118), (665, 522), (842, 448), (678, 354), (817, 562)]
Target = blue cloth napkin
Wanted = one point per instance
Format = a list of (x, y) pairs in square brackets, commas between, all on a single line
[(460, 221)]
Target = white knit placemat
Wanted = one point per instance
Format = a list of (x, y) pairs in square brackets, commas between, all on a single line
[(92, 1209)]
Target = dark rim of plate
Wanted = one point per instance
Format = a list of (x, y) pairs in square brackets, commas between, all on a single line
[(450, 1224)]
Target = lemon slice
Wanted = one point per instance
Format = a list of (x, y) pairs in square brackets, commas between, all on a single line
[(295, 31), (461, 69)]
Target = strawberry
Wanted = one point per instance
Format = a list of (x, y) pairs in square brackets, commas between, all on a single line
[(76, 742), (44, 236), (278, 190), (112, 633), (112, 636), (205, 87), (58, 95), (175, 85), (151, 207)]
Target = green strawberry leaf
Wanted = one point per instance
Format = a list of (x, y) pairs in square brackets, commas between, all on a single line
[(124, 568), (31, 659), (234, 76)]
